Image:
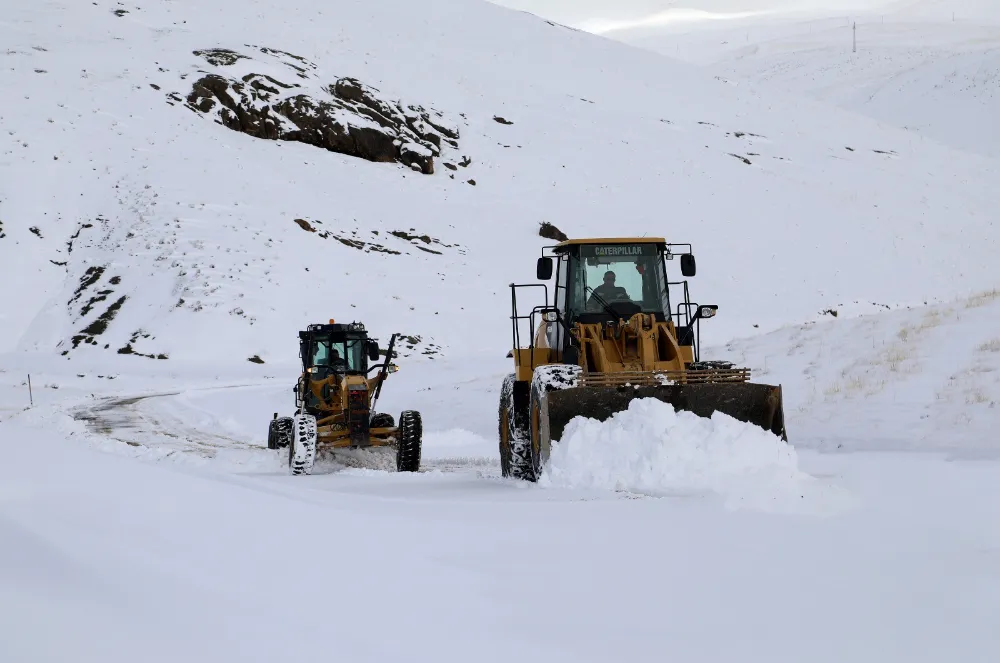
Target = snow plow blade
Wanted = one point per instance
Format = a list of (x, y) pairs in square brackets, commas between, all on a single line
[(757, 404)]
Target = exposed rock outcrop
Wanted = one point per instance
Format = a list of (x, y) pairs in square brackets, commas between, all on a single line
[(347, 117)]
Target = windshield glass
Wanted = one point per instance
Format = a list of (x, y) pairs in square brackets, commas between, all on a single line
[(347, 355), (616, 273)]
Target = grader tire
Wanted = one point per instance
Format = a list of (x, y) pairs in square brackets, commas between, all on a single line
[(410, 442), (279, 433), (302, 450)]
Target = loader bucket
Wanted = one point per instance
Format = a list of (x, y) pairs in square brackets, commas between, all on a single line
[(758, 404)]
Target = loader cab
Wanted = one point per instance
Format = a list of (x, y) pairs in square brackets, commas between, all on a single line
[(602, 280), (342, 349), (598, 282)]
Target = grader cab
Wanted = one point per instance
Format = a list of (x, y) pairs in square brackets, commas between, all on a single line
[(614, 328)]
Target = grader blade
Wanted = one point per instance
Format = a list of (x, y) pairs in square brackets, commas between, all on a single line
[(757, 404)]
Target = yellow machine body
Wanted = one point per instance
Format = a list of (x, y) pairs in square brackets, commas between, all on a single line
[(593, 360)]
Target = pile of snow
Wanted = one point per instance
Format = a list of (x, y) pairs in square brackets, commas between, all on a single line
[(653, 449)]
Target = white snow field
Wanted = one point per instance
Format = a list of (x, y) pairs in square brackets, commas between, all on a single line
[(162, 529), (149, 252), (931, 67)]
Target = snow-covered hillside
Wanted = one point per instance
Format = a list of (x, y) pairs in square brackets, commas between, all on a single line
[(135, 222), (932, 67), (921, 379)]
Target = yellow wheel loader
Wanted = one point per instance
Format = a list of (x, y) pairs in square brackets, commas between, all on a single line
[(613, 328), (335, 401)]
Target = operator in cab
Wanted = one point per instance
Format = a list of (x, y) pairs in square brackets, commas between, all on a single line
[(607, 291), (329, 357)]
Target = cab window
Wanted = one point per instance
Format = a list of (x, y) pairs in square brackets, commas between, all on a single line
[(627, 272), (345, 355)]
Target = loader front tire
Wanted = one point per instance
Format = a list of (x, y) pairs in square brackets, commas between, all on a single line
[(411, 431), (528, 455), (302, 450), (513, 429), (534, 453), (279, 432)]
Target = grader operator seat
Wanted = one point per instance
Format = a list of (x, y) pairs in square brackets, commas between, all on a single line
[(327, 355)]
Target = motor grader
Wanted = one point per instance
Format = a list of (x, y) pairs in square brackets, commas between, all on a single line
[(614, 328), (335, 401)]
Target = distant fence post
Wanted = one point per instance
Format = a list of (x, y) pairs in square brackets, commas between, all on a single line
[(31, 398)]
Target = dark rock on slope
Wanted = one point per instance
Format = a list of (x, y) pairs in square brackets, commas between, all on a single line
[(347, 117)]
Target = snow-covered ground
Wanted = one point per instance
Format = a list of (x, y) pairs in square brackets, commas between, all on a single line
[(148, 252), (155, 504), (183, 537), (128, 561)]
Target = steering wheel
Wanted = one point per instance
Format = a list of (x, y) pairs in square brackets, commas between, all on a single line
[(619, 298), (625, 307)]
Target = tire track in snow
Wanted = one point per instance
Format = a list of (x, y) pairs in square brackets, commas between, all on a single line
[(121, 419), (125, 420)]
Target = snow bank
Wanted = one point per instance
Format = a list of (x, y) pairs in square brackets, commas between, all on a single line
[(653, 449)]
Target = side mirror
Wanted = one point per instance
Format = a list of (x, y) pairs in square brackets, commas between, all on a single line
[(544, 268), (687, 264), (707, 311), (373, 351)]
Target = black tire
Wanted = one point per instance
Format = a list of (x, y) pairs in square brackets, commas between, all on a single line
[(527, 457), (546, 378), (302, 450), (411, 431), (503, 423), (512, 423), (382, 420), (279, 433)]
